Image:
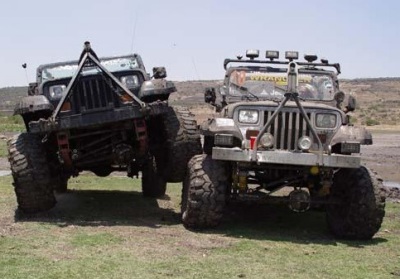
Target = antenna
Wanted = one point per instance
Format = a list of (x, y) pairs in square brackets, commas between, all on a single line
[(26, 72), (134, 32), (195, 69)]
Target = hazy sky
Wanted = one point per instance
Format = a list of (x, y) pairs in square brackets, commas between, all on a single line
[(192, 38)]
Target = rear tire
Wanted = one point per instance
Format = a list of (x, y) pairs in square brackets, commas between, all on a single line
[(182, 142), (31, 173), (204, 192), (361, 207), (153, 182)]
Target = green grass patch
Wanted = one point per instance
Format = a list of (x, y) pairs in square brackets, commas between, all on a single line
[(104, 228), (96, 239), (13, 123), (3, 148)]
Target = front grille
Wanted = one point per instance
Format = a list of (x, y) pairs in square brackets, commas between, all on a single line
[(287, 128), (92, 94)]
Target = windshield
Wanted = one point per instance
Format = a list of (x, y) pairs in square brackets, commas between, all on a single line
[(272, 85), (68, 69)]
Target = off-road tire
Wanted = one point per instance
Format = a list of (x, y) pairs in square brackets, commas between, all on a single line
[(182, 142), (204, 192), (30, 170), (154, 184), (361, 207)]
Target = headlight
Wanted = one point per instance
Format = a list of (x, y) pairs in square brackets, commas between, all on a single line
[(248, 116), (326, 120), (56, 91), (130, 81)]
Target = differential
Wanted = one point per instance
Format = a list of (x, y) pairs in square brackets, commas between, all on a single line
[(299, 200)]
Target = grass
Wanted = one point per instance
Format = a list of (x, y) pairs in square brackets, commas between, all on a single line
[(11, 123), (3, 148), (104, 228)]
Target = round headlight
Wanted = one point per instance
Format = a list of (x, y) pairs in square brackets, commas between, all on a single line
[(305, 143), (56, 91), (267, 140), (248, 116)]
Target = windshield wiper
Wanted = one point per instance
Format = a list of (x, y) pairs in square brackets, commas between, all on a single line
[(245, 89)]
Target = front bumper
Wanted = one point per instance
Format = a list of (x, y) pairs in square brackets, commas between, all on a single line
[(287, 158), (97, 117)]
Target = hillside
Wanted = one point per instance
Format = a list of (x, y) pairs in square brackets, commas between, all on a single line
[(378, 99)]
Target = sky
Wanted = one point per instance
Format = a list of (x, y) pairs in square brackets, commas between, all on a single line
[(192, 38)]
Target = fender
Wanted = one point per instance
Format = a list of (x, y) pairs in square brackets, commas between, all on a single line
[(32, 104), (221, 126), (352, 133), (156, 89)]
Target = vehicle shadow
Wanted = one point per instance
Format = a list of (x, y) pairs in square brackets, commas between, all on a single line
[(279, 223), (104, 208)]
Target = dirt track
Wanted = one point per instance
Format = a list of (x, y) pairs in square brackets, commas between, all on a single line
[(384, 155)]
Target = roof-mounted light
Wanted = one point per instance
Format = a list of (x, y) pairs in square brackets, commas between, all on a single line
[(252, 53), (310, 58), (324, 61), (272, 54), (292, 55), (239, 57)]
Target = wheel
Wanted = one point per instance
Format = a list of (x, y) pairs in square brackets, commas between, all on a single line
[(204, 192), (31, 173), (154, 184), (360, 204), (182, 142)]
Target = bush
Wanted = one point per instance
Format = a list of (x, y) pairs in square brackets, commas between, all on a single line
[(371, 122)]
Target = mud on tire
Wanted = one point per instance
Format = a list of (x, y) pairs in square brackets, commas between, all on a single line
[(204, 192), (182, 142), (361, 207), (30, 170)]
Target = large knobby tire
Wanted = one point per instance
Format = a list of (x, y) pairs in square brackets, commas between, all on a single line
[(360, 206), (30, 170), (182, 142), (154, 184), (204, 192)]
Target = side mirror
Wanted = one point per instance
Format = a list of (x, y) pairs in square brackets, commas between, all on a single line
[(33, 89), (339, 98), (159, 72), (351, 104), (209, 95)]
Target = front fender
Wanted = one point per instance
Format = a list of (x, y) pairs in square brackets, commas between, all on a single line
[(352, 133), (221, 126), (32, 104)]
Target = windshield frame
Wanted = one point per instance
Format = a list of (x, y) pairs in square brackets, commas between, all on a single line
[(136, 65), (281, 73)]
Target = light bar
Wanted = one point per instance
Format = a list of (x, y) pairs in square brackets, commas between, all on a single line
[(272, 54), (252, 53), (291, 55), (310, 57)]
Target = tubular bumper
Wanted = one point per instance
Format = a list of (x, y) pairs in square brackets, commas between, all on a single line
[(286, 158)]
